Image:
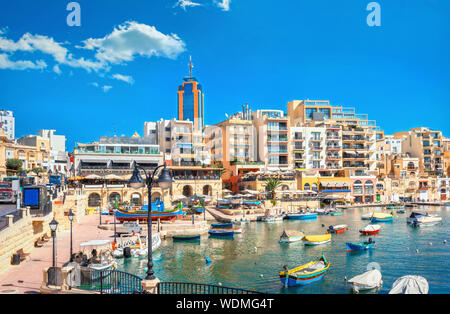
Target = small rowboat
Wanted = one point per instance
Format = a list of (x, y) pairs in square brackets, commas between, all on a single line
[(401, 211), (305, 216), (359, 246), (222, 225), (370, 229), (186, 237), (306, 274), (268, 219), (337, 228), (317, 239), (220, 233), (336, 213), (291, 236), (235, 230), (367, 216), (367, 281), (382, 217)]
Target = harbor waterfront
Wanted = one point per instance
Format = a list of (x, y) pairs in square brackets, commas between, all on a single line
[(252, 260)]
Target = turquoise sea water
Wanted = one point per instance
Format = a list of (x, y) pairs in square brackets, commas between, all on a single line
[(236, 262)]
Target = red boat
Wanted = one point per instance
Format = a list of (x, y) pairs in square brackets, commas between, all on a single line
[(337, 228), (370, 229)]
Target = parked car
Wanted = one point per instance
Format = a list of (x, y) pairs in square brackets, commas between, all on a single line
[(7, 194), (129, 227)]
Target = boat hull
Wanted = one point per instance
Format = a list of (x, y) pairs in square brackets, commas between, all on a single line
[(186, 237), (369, 232), (301, 281), (222, 226), (294, 278), (302, 217), (312, 243), (390, 219), (291, 239), (358, 246)]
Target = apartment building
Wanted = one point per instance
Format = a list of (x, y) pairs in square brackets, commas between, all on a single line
[(272, 128), (33, 151), (427, 145), (59, 159), (7, 123), (359, 134), (181, 143), (116, 155)]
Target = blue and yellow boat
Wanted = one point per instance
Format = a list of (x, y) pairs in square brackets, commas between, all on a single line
[(359, 246), (306, 274), (141, 213), (382, 217)]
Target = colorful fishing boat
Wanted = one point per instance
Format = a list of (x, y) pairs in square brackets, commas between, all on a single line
[(198, 208), (186, 237), (359, 246), (227, 225), (291, 236), (302, 216), (141, 214), (306, 274), (221, 233), (317, 239), (370, 229), (251, 204), (337, 228), (382, 217), (336, 213)]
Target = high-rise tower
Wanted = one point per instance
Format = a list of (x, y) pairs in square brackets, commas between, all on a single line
[(191, 100)]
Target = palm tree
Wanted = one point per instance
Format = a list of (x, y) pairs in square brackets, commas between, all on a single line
[(272, 184)]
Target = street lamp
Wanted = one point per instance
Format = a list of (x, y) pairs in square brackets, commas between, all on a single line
[(53, 227), (71, 217), (164, 181)]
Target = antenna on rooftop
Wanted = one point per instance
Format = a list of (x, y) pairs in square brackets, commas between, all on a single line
[(191, 66)]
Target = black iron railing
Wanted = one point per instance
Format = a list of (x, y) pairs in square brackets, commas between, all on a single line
[(110, 281), (196, 288), (17, 215), (4, 223)]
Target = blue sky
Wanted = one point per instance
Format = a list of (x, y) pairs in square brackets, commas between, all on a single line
[(122, 66)]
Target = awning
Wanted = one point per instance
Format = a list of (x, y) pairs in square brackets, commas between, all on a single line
[(96, 161), (334, 184)]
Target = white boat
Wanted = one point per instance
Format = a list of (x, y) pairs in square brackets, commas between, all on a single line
[(370, 229), (291, 236), (321, 212), (416, 215), (138, 247), (426, 221), (100, 255), (367, 281), (367, 216), (278, 218), (410, 285), (268, 219)]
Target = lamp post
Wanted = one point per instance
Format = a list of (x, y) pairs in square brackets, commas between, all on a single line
[(71, 217), (164, 181), (53, 227)]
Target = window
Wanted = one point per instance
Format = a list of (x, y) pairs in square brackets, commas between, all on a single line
[(307, 187)]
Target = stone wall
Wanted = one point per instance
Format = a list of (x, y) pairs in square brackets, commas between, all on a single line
[(23, 233)]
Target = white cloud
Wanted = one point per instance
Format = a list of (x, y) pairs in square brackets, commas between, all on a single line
[(186, 3), (106, 88), (124, 78), (57, 69), (133, 39), (6, 63), (94, 84), (225, 5)]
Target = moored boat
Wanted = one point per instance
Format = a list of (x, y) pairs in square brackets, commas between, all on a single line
[(290, 236), (186, 237), (302, 216), (410, 285), (336, 213), (337, 228), (367, 281), (359, 246), (370, 229), (415, 216), (382, 217), (221, 232), (305, 274), (317, 239), (367, 216), (426, 221), (227, 225), (141, 213), (235, 230)]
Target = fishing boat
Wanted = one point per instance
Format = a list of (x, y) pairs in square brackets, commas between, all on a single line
[(394, 207), (241, 221), (221, 232), (197, 208), (235, 230), (359, 246), (415, 216), (137, 244), (401, 211), (227, 225), (370, 229), (180, 237), (382, 217), (410, 285), (336, 213), (100, 256), (367, 216), (268, 219), (224, 204), (317, 239), (426, 221), (251, 204), (278, 218), (321, 212), (306, 274), (291, 236), (367, 281), (337, 228), (302, 216), (141, 213)]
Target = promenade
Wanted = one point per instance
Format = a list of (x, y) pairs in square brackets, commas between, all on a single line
[(27, 277)]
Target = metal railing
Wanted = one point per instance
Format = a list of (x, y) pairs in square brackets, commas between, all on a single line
[(18, 214), (4, 223), (197, 288), (110, 281)]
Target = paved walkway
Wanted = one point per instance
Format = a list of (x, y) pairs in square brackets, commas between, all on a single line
[(27, 277)]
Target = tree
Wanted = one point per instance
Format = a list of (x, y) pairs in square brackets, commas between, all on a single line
[(271, 185), (14, 164)]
